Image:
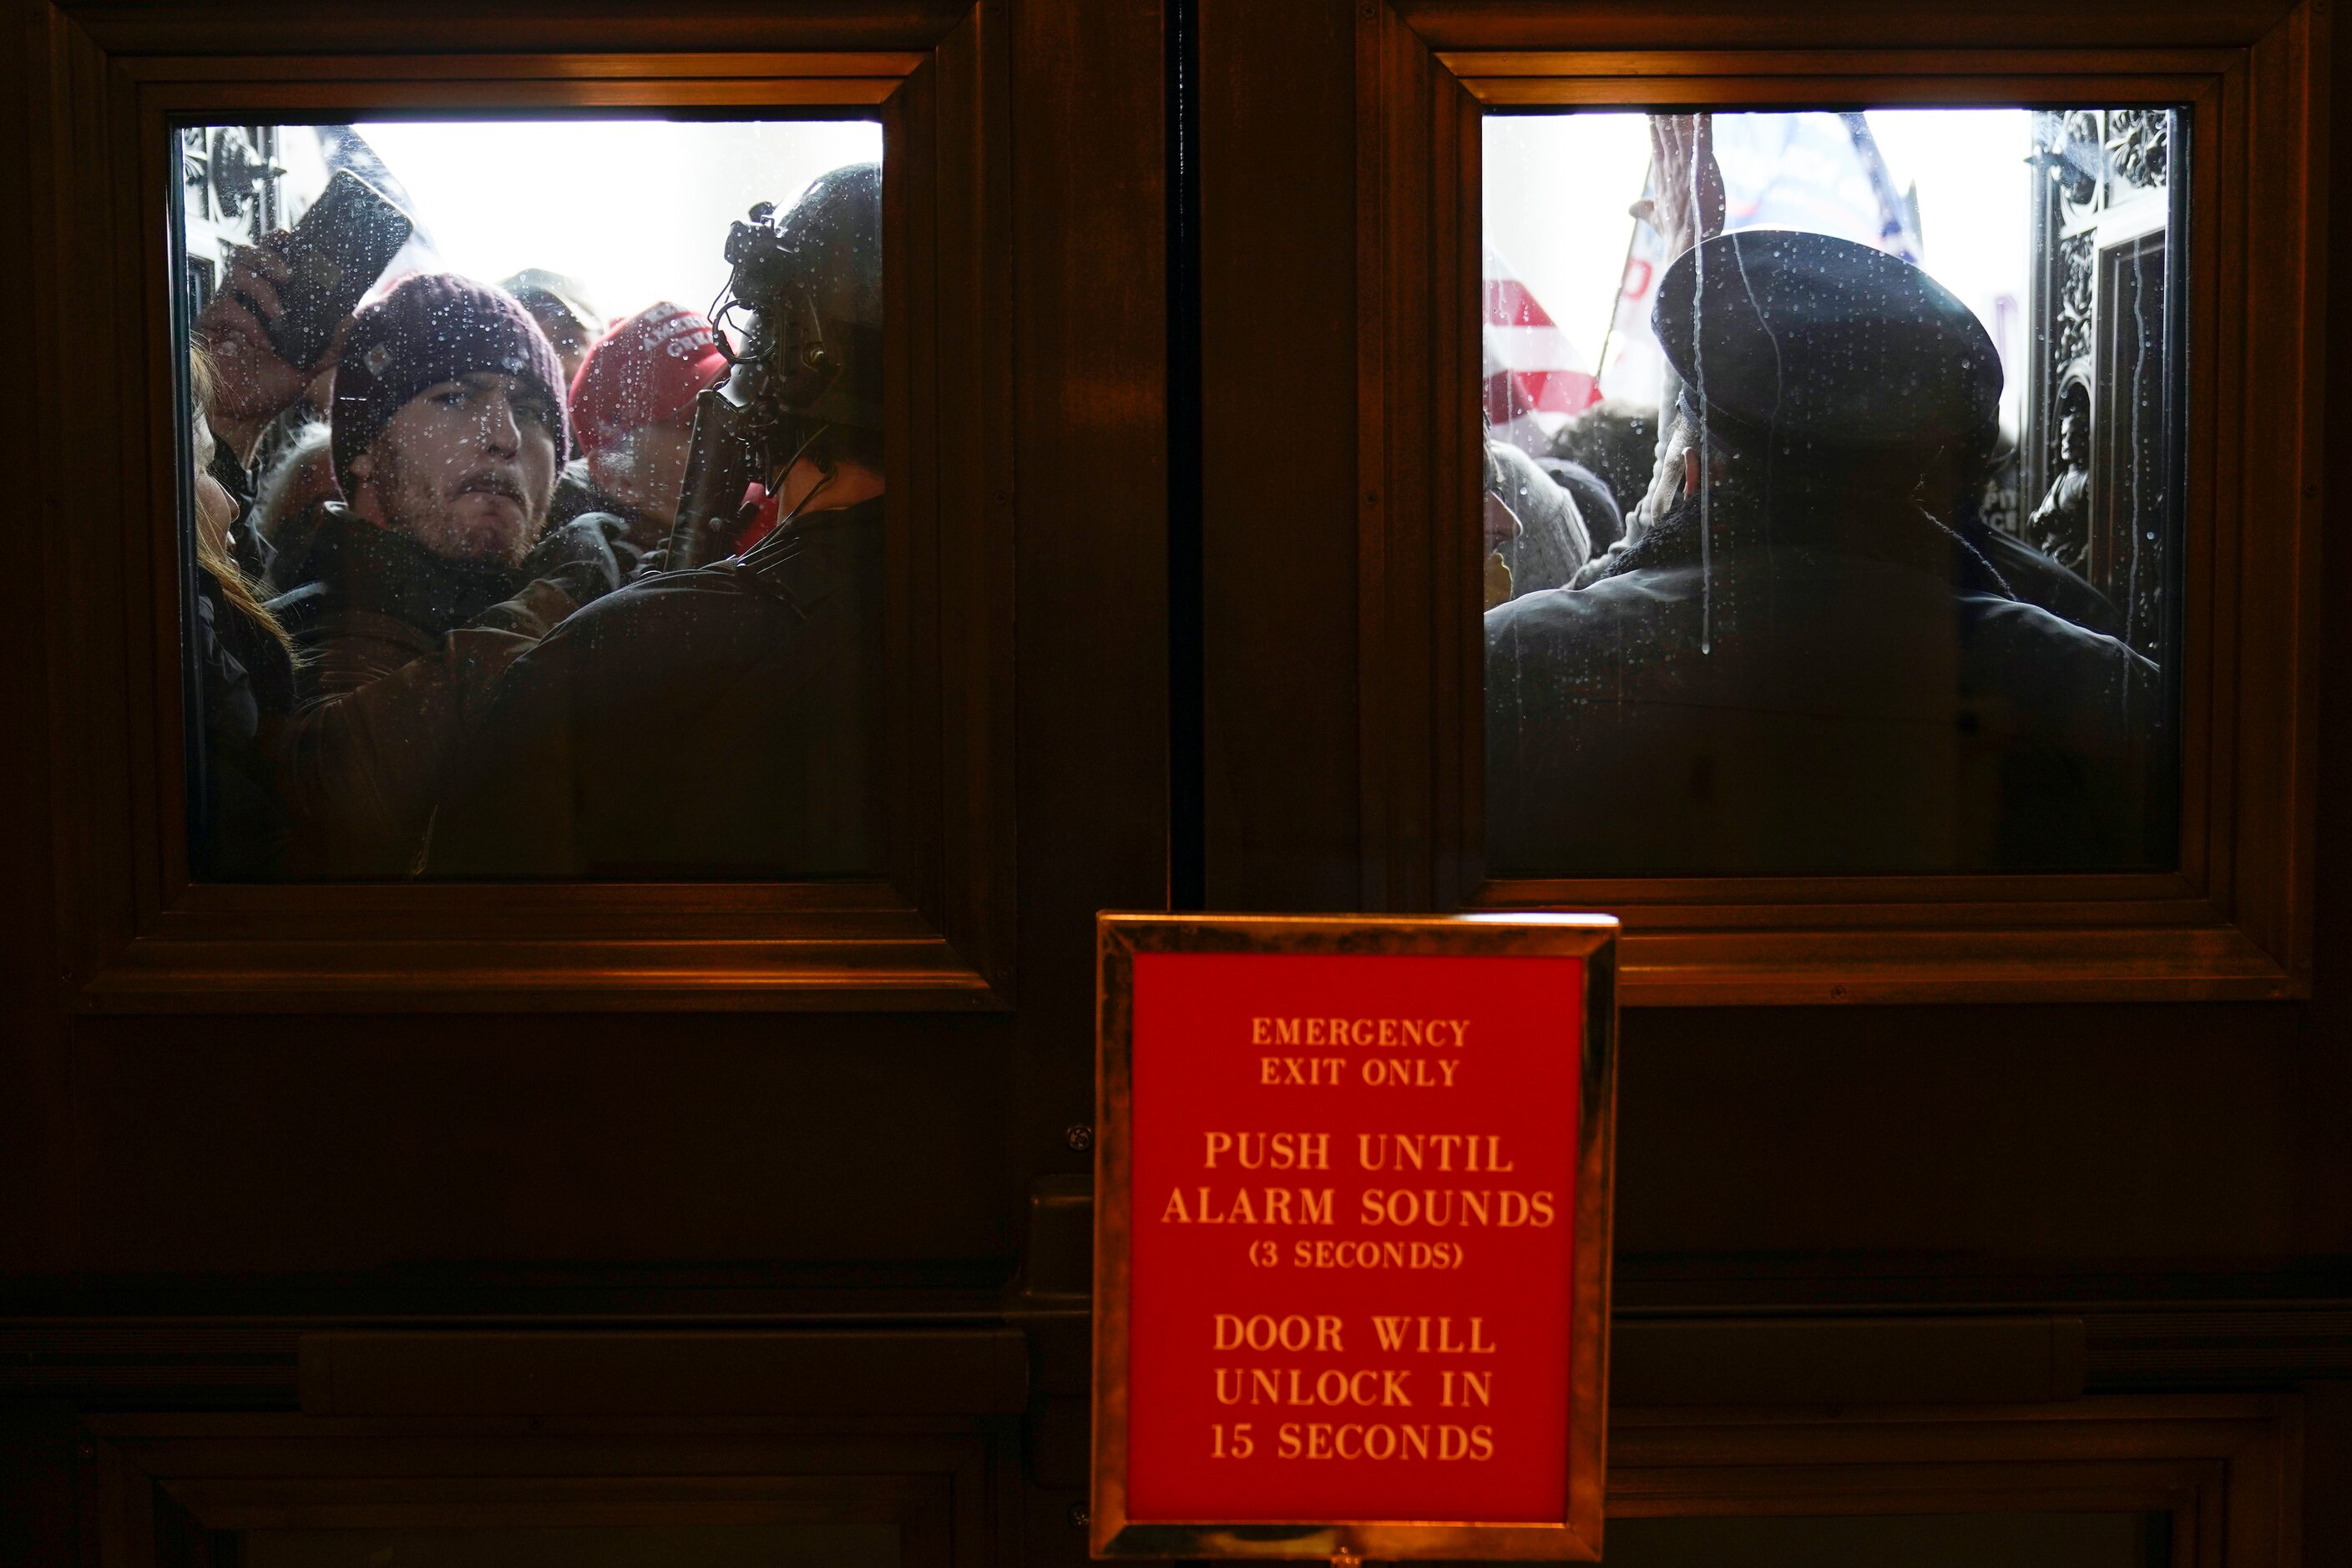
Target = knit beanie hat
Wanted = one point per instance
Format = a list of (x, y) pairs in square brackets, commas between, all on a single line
[(426, 329), (647, 371)]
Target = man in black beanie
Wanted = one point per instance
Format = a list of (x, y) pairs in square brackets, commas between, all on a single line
[(412, 595), (726, 720), (1801, 668)]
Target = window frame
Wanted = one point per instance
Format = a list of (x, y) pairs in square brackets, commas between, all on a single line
[(165, 1483), (2224, 1468), (2235, 920), (936, 933)]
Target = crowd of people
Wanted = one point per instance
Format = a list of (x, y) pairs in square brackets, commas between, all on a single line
[(1799, 648), (1761, 629), (434, 629)]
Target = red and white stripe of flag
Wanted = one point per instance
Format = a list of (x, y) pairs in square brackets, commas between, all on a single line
[(1536, 380)]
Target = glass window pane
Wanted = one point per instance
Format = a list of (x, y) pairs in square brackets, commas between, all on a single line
[(1832, 516), (1913, 1540), (535, 476)]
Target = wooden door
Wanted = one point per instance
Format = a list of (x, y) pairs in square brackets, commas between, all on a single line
[(704, 1119), (1818, 1147)]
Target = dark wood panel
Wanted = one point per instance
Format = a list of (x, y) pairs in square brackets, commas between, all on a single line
[(1853, 24), (899, 1371), (2323, 1197), (2113, 1335), (157, 1487), (262, 26), (1090, 410), (242, 1148), (1783, 1361), (1278, 327), (2227, 1471), (2327, 1502), (36, 1208), (36, 1484), (2224, 1470), (1990, 1141)]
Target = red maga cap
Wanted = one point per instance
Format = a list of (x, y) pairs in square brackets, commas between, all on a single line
[(648, 370)]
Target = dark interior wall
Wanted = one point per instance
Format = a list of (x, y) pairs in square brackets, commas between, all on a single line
[(1278, 454), (1966, 1141), (2323, 1057), (300, 1146), (31, 1068)]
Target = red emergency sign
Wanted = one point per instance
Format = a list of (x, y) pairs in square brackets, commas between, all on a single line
[(1351, 1254)]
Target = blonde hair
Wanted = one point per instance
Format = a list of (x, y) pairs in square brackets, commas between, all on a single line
[(212, 547)]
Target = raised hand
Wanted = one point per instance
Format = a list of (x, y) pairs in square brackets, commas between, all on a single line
[(252, 383), (1688, 205)]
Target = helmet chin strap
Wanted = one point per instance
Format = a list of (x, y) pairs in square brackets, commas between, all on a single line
[(826, 474)]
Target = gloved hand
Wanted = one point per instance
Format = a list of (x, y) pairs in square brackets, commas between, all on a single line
[(577, 558)]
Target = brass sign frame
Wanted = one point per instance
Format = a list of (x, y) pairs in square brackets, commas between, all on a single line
[(1118, 939)]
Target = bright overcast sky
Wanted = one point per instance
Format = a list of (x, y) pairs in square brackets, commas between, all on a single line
[(1556, 187), (635, 209)]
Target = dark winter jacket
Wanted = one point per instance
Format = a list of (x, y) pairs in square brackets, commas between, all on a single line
[(1866, 697), (721, 723), (1553, 541), (403, 648), (245, 689), (633, 533)]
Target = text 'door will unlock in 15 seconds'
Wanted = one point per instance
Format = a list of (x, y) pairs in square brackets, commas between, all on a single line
[(1351, 1250)]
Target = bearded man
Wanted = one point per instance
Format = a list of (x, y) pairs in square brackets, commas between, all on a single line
[(723, 720), (412, 595)]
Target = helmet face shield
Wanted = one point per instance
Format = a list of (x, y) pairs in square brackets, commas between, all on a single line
[(804, 299), (813, 280)]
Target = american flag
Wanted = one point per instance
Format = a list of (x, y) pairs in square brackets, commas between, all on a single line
[(1817, 171), (1820, 172)]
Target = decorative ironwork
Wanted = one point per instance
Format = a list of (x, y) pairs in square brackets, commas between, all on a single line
[(2097, 158), (2139, 145), (2099, 454), (232, 195), (2096, 494), (231, 174), (2081, 162), (2070, 335)]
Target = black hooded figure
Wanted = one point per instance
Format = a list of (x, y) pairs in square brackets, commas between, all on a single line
[(1800, 668), (724, 721)]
